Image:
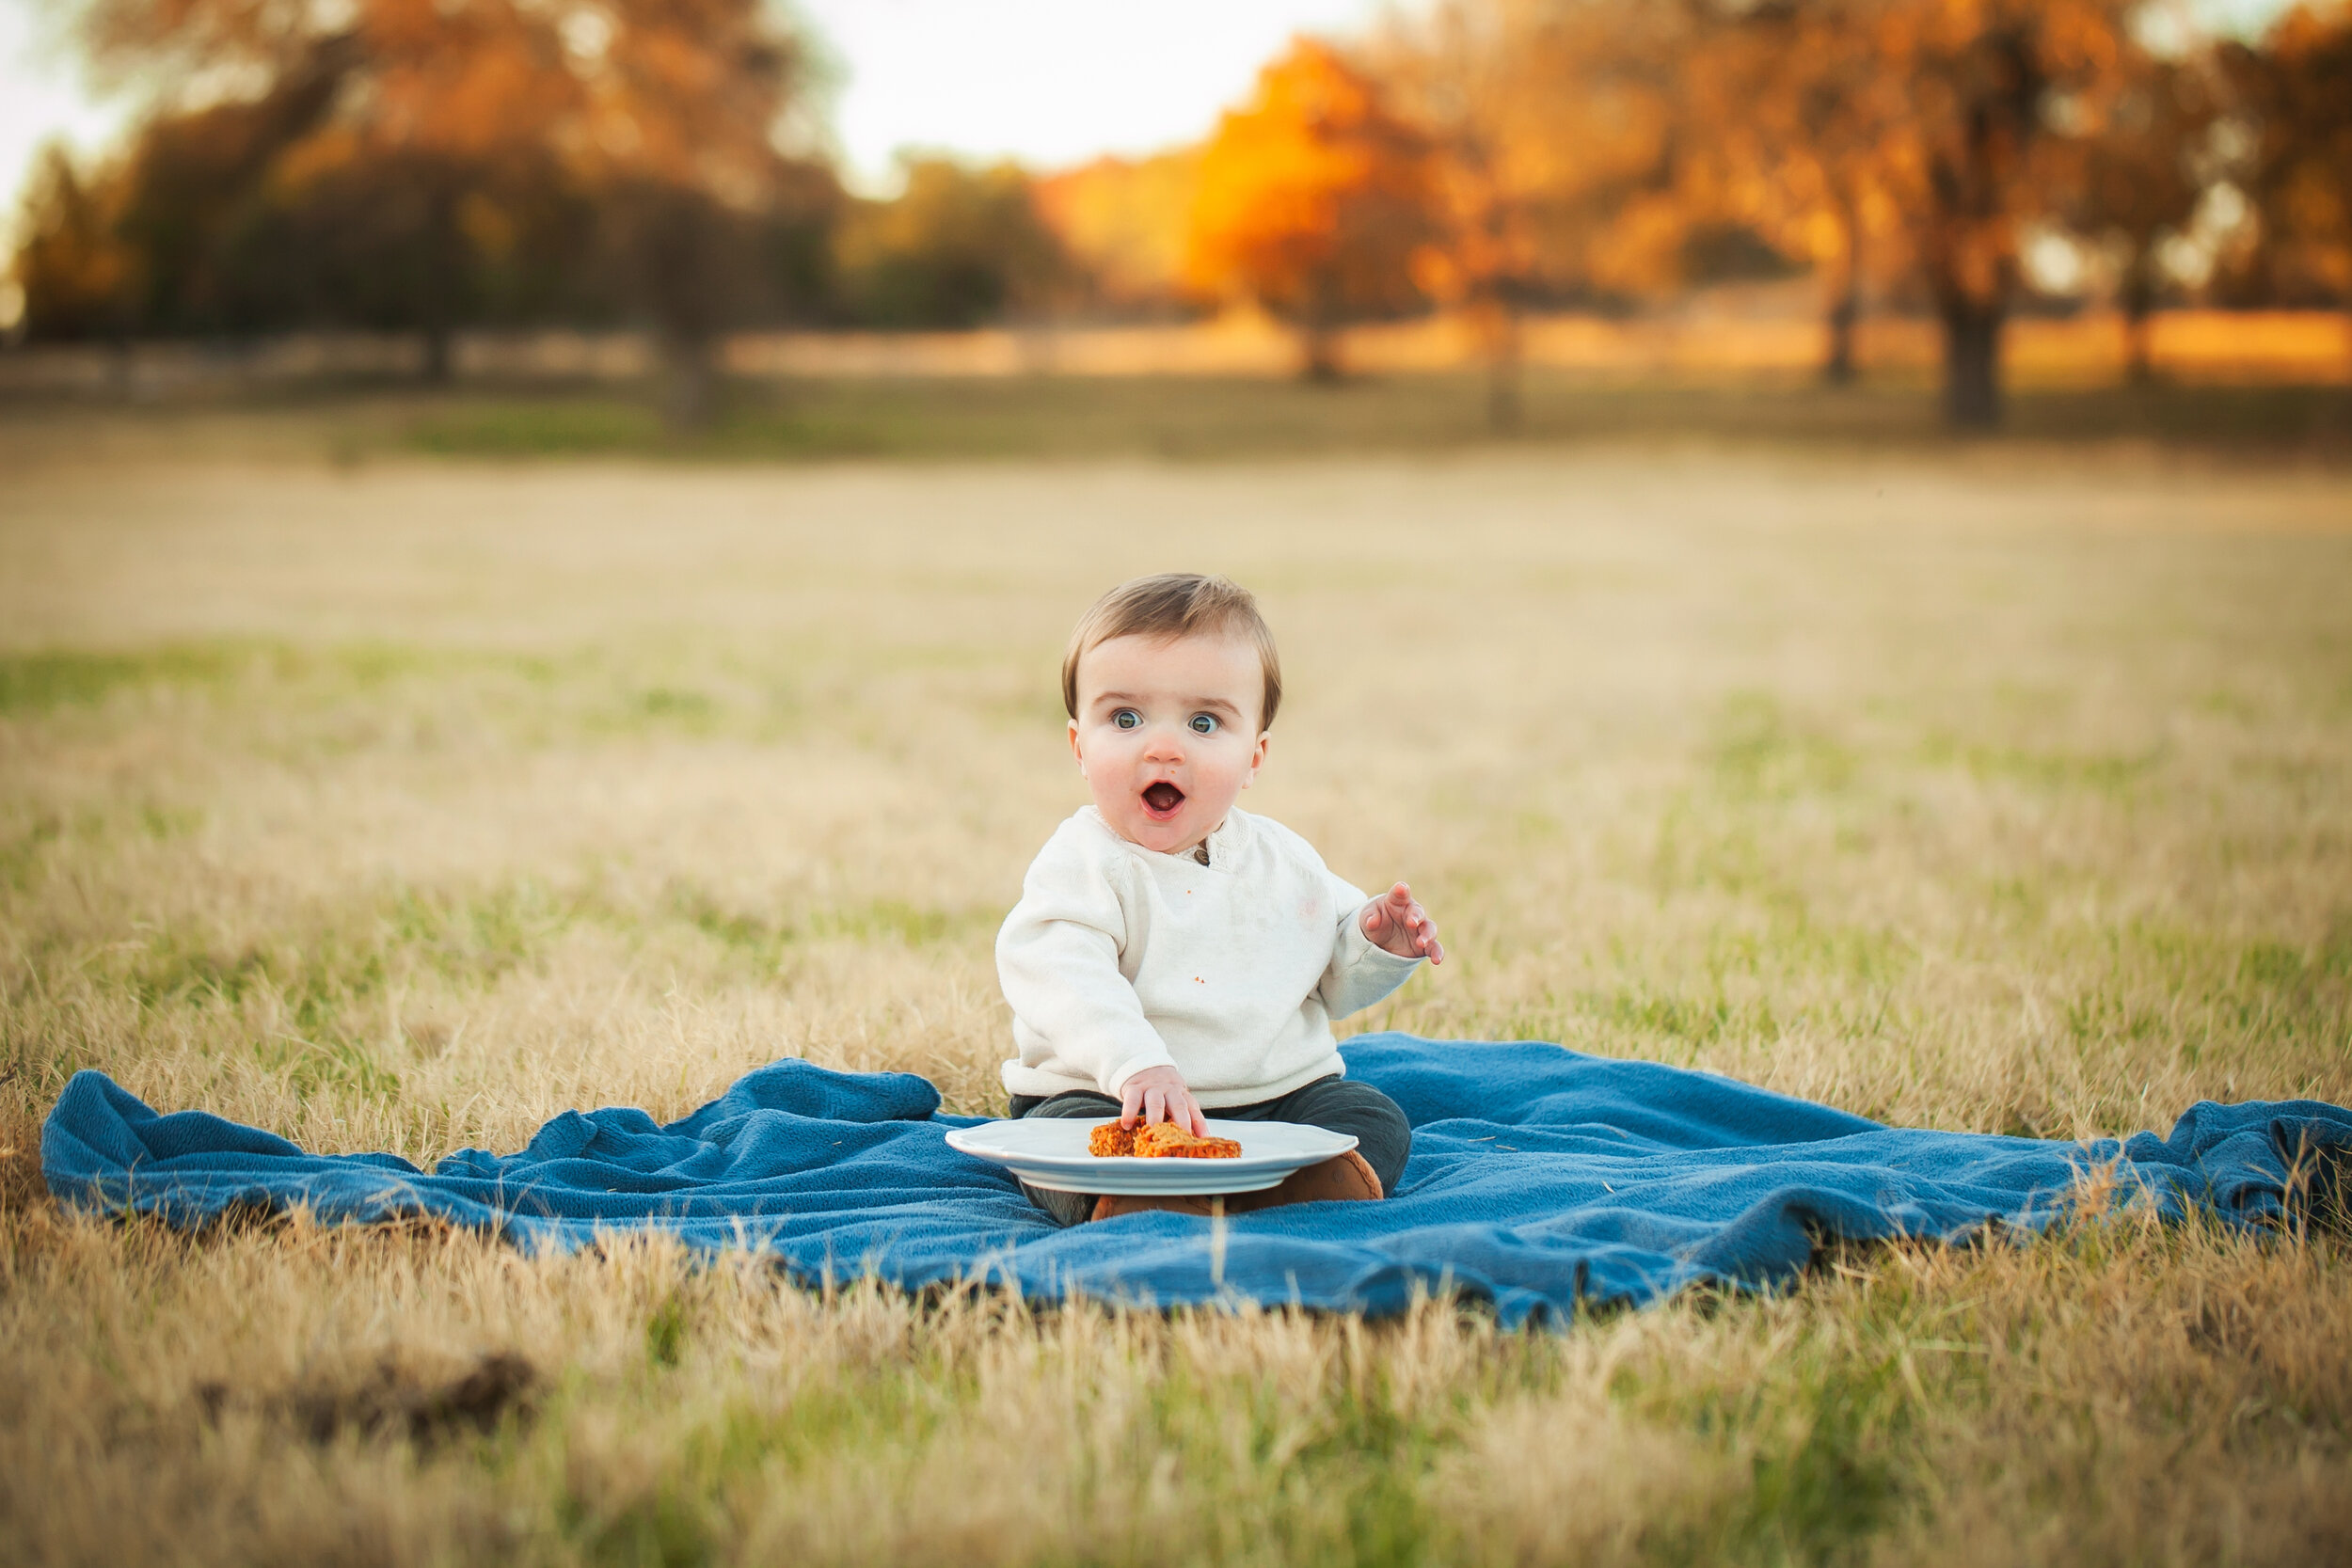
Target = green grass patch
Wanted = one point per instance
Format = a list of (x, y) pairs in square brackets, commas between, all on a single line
[(319, 981), (316, 983), (45, 680), (347, 694), (2110, 775), (758, 942), (338, 1066), (1758, 753), (536, 428), (1820, 1493), (1677, 1024), (1187, 418)]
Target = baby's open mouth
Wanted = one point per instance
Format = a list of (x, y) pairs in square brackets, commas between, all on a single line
[(1161, 799)]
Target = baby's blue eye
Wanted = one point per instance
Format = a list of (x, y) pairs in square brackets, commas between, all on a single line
[(1127, 718), (1204, 724)]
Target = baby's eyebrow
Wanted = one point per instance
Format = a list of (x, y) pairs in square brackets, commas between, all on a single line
[(1189, 702)]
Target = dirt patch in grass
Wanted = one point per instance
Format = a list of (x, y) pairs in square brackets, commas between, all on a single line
[(392, 1399)]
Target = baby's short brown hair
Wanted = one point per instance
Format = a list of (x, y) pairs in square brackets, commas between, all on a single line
[(1172, 604)]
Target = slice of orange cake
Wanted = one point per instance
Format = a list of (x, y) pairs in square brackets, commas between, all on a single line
[(1165, 1140)]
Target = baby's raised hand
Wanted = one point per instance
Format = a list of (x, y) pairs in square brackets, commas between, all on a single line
[(1159, 1094), (1396, 923)]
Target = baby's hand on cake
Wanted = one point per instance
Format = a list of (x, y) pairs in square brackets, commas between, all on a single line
[(1396, 923), (1158, 1094)]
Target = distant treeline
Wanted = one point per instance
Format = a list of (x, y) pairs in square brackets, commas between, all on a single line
[(435, 166)]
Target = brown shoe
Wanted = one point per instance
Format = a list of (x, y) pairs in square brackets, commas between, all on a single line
[(1344, 1178)]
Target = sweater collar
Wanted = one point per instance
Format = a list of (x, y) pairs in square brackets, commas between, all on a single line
[(1225, 844)]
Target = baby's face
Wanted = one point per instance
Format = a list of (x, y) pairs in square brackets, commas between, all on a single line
[(1167, 734)]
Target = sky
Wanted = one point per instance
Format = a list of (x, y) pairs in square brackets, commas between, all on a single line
[(1049, 82)]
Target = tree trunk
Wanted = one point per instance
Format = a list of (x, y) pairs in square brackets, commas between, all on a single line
[(439, 355), (1838, 368), (2137, 367), (1968, 246), (441, 278), (2140, 303), (689, 382), (1846, 306), (1506, 369), (1321, 342), (1971, 363)]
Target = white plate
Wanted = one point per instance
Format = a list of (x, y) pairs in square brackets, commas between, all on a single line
[(1051, 1151)]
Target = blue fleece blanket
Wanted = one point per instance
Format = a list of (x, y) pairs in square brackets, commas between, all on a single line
[(1539, 1178)]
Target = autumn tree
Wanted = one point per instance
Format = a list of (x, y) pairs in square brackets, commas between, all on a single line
[(2140, 171), (78, 276), (1796, 109), (1454, 74), (1566, 147), (1990, 83), (1946, 113), (1313, 198), (1122, 222), (957, 246), (1457, 76), (408, 162), (708, 223), (1597, 104), (2298, 90), (348, 179)]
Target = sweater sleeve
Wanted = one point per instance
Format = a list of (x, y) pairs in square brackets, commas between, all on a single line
[(1057, 960), (1362, 973)]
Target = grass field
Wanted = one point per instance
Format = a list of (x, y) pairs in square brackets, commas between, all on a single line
[(394, 800), (1178, 419)]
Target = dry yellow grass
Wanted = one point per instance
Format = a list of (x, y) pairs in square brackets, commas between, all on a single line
[(404, 807)]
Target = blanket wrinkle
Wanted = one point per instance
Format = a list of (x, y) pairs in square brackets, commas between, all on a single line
[(1540, 1178)]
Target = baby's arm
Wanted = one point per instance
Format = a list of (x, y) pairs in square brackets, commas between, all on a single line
[(1057, 958), (1378, 945)]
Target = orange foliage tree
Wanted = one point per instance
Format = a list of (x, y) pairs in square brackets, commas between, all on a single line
[(1992, 83), (1122, 223), (379, 130), (1313, 200), (1613, 135), (76, 272), (1458, 76), (1795, 108), (1554, 130), (1945, 115), (405, 145), (2138, 175), (2298, 90)]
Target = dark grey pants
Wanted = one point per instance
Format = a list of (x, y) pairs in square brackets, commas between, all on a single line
[(1335, 1103)]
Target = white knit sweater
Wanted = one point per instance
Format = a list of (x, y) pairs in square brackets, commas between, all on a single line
[(1118, 958)]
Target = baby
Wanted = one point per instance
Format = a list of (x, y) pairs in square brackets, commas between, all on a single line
[(1172, 954)]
